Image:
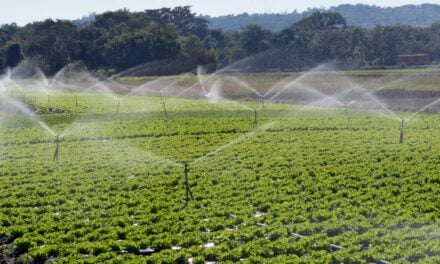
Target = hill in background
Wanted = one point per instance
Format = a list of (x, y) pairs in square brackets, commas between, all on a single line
[(357, 15)]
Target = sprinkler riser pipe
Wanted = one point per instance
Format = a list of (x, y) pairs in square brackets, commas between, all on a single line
[(187, 187), (57, 144), (165, 109), (401, 132), (117, 108), (255, 116)]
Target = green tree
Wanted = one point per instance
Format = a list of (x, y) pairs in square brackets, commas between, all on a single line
[(50, 44), (13, 55), (155, 42), (321, 21), (6, 33), (92, 41), (254, 39), (186, 21), (195, 53)]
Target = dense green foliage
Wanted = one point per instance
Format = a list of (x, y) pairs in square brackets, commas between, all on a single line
[(13, 56), (291, 189), (115, 41), (171, 41)]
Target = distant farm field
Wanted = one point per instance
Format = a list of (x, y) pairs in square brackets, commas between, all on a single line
[(410, 79)]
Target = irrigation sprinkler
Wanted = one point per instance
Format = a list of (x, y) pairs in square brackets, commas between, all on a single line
[(255, 116), (188, 189), (165, 110), (117, 108), (161, 96), (56, 153), (401, 131), (345, 108), (76, 100), (48, 99)]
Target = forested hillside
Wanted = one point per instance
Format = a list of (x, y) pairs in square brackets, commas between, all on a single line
[(356, 15)]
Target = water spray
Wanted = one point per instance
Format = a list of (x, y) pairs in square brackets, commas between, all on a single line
[(401, 131), (262, 101), (188, 188), (56, 153)]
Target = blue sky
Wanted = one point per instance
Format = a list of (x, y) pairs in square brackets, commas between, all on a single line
[(25, 11)]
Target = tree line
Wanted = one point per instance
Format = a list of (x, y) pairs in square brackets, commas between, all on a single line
[(171, 41)]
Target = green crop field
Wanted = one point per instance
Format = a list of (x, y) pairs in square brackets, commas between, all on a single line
[(294, 184)]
